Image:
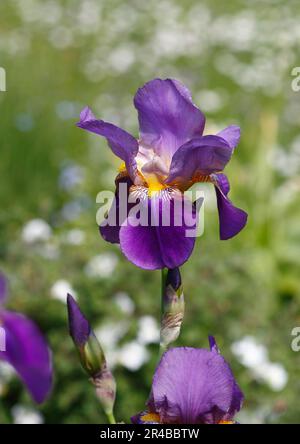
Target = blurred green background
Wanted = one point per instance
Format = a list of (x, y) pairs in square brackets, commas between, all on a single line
[(236, 57)]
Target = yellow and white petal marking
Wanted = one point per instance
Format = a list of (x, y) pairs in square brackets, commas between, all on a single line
[(150, 417)]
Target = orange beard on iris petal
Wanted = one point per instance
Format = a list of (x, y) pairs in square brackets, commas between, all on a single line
[(150, 181), (151, 417), (226, 422)]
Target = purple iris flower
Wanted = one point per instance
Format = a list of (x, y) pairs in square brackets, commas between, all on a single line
[(192, 386), (23, 346), (170, 155)]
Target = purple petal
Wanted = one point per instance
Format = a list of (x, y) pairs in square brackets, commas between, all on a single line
[(201, 156), (28, 353), (123, 144), (167, 116), (79, 326), (190, 385), (231, 134), (3, 289), (110, 227), (232, 219), (155, 247), (236, 403)]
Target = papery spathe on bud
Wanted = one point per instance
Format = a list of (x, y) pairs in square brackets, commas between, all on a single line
[(173, 308), (105, 389)]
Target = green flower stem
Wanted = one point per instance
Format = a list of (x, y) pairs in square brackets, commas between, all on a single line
[(164, 273), (111, 418)]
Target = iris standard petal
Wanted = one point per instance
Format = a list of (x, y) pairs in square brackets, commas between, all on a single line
[(190, 384), (200, 156), (3, 289), (123, 144), (165, 241), (232, 219), (167, 116), (231, 134), (28, 353), (110, 227)]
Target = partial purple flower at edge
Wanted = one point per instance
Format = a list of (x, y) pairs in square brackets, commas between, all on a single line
[(192, 386), (26, 350), (170, 155)]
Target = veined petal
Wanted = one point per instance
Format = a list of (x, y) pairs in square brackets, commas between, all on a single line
[(231, 134), (123, 144), (28, 353), (192, 386), (200, 156), (237, 395), (232, 219), (165, 239), (167, 116), (236, 403)]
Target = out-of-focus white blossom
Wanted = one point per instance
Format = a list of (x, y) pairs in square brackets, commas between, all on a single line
[(255, 357), (60, 289), (102, 265), (133, 355), (89, 16), (25, 415), (61, 37), (273, 374), (148, 330), (210, 101), (110, 333), (121, 58), (124, 302), (71, 176), (74, 237), (36, 230), (249, 352)]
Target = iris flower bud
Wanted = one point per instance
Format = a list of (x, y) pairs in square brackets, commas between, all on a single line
[(91, 356), (172, 308)]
